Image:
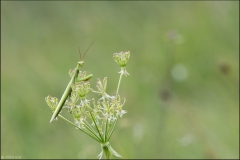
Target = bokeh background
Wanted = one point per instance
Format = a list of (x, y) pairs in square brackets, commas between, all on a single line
[(182, 94)]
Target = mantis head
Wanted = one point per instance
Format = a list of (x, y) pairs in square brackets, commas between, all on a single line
[(81, 63)]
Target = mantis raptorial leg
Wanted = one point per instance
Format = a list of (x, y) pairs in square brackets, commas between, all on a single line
[(68, 90)]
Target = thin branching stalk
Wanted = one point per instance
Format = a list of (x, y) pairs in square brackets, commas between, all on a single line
[(96, 126), (112, 129), (79, 128)]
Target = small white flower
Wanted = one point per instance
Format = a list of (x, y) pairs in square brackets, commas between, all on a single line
[(124, 71), (121, 112)]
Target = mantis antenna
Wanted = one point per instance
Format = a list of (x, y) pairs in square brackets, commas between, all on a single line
[(79, 52), (86, 50)]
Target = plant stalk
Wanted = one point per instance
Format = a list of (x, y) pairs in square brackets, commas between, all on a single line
[(120, 78)]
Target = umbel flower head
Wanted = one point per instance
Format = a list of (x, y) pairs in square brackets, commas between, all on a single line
[(121, 58), (51, 102), (81, 89), (78, 113), (101, 88)]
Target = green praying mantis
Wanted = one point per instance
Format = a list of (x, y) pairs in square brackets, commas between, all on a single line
[(68, 90)]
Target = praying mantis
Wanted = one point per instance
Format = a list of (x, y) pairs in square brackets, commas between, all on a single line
[(68, 90)]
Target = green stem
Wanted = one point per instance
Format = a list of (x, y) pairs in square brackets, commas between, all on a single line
[(95, 124), (106, 130), (120, 78), (90, 129), (106, 151), (112, 129), (88, 133)]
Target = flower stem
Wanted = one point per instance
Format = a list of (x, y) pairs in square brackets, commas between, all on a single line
[(102, 139), (106, 151), (106, 130), (112, 129), (85, 131), (120, 78)]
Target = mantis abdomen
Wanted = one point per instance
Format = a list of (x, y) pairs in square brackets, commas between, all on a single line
[(65, 94)]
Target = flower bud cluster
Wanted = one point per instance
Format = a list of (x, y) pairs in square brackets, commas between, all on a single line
[(121, 58), (81, 89), (51, 102)]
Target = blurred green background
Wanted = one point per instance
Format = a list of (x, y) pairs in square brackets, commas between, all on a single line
[(182, 94)]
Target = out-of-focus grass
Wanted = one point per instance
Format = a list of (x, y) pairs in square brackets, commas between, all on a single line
[(196, 117)]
